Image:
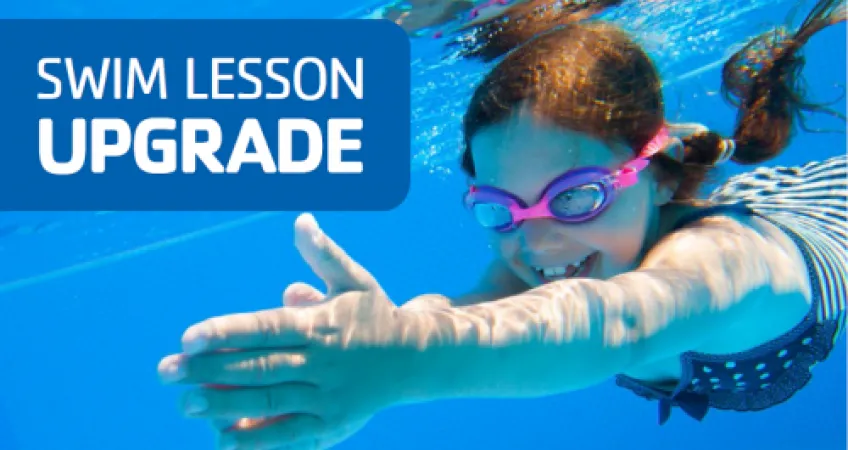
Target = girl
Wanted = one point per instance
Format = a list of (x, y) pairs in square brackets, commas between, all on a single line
[(607, 264)]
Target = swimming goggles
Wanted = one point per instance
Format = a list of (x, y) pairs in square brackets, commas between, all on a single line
[(576, 196)]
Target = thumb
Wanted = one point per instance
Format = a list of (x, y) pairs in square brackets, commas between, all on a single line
[(301, 294), (338, 270)]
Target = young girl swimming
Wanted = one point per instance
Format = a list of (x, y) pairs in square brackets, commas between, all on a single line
[(607, 264)]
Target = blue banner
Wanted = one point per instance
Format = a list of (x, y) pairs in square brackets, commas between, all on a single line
[(214, 115)]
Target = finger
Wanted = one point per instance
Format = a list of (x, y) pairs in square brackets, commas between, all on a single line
[(328, 439), (247, 423), (307, 444), (243, 423), (244, 368), (287, 398), (301, 294), (296, 430), (338, 270), (278, 327)]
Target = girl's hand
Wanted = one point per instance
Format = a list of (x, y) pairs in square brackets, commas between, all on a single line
[(316, 369)]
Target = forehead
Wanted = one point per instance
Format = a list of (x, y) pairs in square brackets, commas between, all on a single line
[(522, 155)]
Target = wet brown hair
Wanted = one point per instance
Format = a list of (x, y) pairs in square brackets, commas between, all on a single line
[(591, 77)]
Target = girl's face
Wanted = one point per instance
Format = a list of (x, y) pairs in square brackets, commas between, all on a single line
[(522, 156)]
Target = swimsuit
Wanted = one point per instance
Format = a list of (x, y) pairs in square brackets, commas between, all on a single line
[(809, 204)]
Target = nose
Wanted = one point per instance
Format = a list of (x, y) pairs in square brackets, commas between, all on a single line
[(542, 236)]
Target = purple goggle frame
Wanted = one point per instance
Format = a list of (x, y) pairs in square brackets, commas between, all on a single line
[(607, 181)]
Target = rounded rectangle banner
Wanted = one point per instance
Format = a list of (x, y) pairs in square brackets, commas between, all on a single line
[(204, 115)]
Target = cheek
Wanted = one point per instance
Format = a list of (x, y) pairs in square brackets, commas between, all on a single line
[(507, 248), (620, 231), (505, 245)]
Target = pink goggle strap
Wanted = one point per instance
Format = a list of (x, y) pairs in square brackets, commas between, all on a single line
[(540, 210), (629, 173)]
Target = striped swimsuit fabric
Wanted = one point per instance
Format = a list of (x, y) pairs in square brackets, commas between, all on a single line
[(809, 203)]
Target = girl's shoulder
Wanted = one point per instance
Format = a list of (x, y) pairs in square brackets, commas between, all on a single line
[(809, 204)]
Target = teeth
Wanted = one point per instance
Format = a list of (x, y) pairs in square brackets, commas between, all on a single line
[(553, 272)]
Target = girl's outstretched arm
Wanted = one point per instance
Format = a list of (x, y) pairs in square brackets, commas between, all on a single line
[(693, 285)]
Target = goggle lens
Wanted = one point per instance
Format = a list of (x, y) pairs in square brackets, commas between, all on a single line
[(578, 201), (492, 215)]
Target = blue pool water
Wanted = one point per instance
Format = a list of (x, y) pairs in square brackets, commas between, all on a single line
[(91, 301)]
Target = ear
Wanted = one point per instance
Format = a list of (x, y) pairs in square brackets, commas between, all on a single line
[(674, 148), (664, 190)]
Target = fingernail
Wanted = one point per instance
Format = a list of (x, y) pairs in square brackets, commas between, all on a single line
[(172, 369), (196, 403), (195, 340)]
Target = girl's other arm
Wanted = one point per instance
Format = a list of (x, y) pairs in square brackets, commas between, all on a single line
[(571, 334), (497, 282)]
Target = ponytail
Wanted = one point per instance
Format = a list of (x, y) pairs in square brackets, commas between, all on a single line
[(761, 80)]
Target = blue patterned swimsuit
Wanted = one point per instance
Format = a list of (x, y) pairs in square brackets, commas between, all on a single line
[(809, 204)]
